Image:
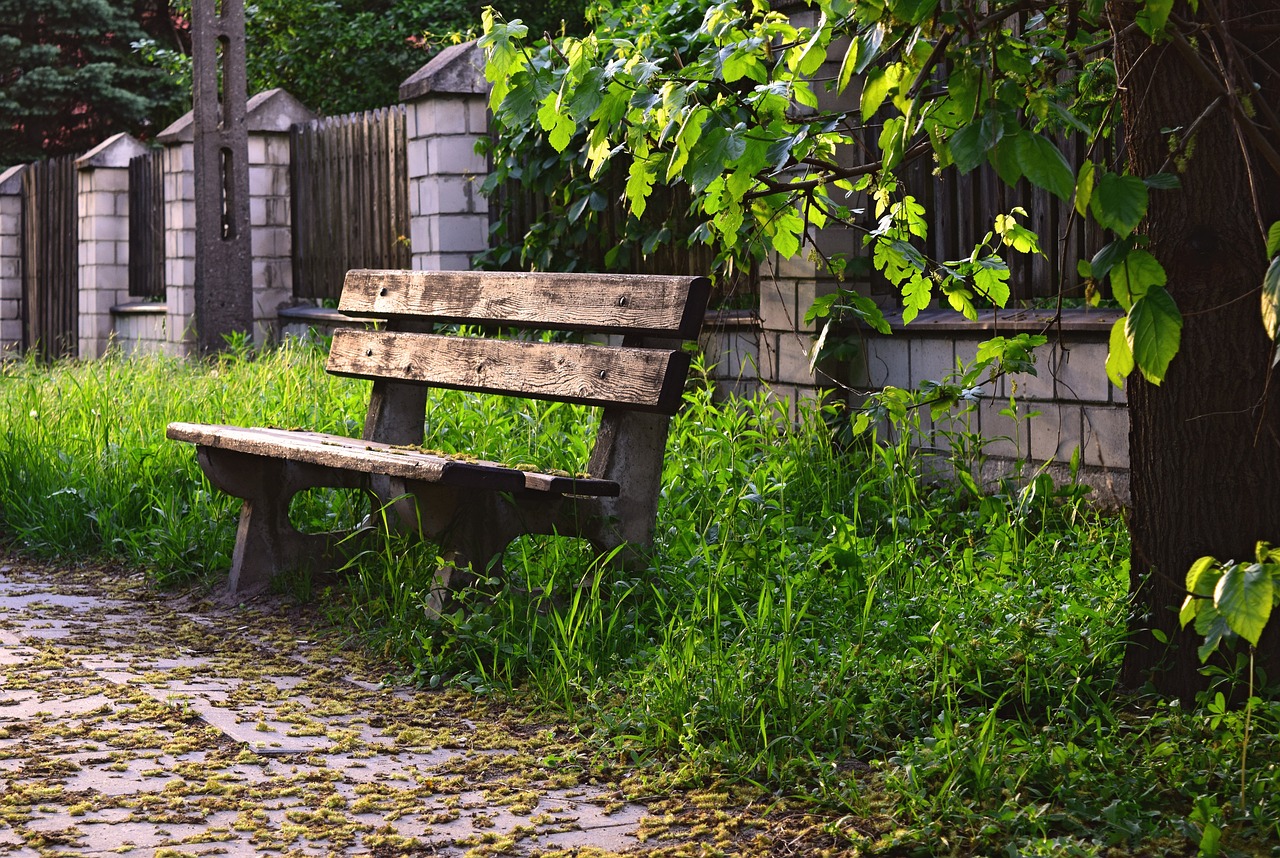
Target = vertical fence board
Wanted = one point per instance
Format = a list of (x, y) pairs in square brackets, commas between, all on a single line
[(50, 258), (350, 206), (146, 226)]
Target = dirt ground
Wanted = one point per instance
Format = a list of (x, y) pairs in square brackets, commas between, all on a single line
[(141, 723)]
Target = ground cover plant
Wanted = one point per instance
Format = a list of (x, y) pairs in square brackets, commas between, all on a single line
[(934, 667)]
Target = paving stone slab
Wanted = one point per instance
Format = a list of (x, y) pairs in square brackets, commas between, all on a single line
[(128, 727)]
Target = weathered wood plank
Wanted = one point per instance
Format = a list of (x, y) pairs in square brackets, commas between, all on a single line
[(665, 306), (640, 379), (371, 457)]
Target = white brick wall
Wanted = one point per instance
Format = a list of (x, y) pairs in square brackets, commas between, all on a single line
[(10, 263), (449, 220), (103, 252), (180, 246)]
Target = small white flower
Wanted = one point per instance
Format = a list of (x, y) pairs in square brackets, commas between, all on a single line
[(35, 415)]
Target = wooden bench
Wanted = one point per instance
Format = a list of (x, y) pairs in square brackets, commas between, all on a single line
[(471, 509)]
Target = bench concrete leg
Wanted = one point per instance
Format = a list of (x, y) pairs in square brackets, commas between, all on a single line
[(267, 543)]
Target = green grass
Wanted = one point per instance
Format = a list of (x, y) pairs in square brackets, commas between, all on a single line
[(934, 668)]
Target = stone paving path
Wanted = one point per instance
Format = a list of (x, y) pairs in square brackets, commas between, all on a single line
[(135, 724)]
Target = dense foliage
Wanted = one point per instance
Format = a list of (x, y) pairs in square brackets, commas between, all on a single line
[(69, 77), (783, 124), (926, 664)]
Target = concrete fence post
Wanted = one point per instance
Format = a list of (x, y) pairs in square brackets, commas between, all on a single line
[(102, 193), (447, 113), (269, 115), (11, 261)]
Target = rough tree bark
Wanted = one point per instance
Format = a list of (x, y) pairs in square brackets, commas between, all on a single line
[(1205, 444)]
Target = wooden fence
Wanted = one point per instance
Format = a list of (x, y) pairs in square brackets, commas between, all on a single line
[(50, 253), (146, 227), (350, 198), (520, 209)]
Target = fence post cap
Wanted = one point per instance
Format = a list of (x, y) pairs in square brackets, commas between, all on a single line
[(115, 151), (11, 179), (457, 70), (275, 110)]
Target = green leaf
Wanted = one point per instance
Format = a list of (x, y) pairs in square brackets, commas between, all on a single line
[(1214, 627), (1134, 276), (640, 179), (1120, 356), (914, 11), (875, 87), (1119, 203), (968, 148), (1153, 17), (1273, 239), (1043, 165), (1162, 182), (1084, 187), (916, 296), (1271, 300), (1153, 330), (1004, 157), (991, 278), (1243, 597)]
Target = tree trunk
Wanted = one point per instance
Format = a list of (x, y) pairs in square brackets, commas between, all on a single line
[(1205, 444)]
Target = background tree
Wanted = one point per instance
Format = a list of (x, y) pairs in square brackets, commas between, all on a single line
[(737, 116), (341, 56), (69, 76)]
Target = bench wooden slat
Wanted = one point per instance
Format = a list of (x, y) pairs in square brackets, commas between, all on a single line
[(371, 457), (609, 303), (636, 379)]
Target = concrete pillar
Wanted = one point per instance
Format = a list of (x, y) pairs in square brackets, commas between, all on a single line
[(178, 170), (102, 192), (11, 261), (447, 112), (269, 116)]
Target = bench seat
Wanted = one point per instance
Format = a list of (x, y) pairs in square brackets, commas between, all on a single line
[(373, 457)]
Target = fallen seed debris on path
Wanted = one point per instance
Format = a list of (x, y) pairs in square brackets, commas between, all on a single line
[(140, 724)]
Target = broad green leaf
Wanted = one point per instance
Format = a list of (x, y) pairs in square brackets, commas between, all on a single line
[(968, 148), (1084, 187), (875, 87), (1271, 300), (1043, 165), (1153, 16), (549, 112), (640, 179), (1243, 597), (913, 11), (1109, 257), (1214, 627), (915, 296), (869, 43), (1153, 329), (1119, 203), (786, 228), (1004, 157), (1273, 239), (814, 54), (992, 278), (1120, 357), (562, 133), (1162, 182), (1135, 274)]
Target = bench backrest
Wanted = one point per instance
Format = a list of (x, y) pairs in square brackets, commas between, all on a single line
[(646, 373)]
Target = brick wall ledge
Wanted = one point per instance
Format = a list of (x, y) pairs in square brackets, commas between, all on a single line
[(1088, 321), (140, 308)]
